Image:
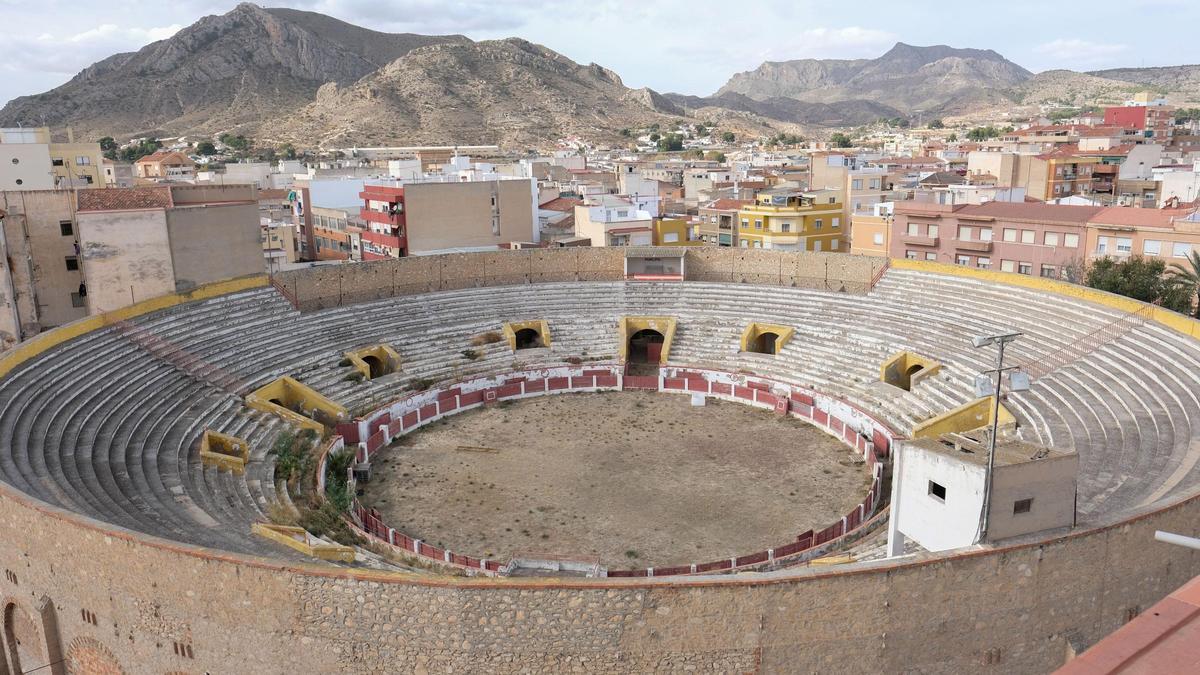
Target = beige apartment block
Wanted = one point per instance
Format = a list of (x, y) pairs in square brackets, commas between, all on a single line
[(477, 214)]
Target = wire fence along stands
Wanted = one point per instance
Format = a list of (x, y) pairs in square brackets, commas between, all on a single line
[(375, 431), (1089, 343)]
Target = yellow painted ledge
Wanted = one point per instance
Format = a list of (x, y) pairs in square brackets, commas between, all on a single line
[(967, 417), (511, 328), (387, 357), (299, 539), (755, 330), (630, 325), (224, 451), (293, 394), (1166, 317), (48, 340), (905, 369)]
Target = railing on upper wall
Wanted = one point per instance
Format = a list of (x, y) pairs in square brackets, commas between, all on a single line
[(1089, 343), (887, 264)]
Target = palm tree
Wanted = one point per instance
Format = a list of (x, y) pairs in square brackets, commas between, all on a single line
[(1188, 276)]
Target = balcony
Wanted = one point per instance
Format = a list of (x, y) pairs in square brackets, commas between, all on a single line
[(973, 245), (919, 239), (391, 220)]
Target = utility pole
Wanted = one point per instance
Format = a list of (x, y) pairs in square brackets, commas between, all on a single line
[(981, 383)]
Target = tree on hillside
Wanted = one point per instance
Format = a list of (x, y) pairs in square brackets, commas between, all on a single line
[(983, 133), (728, 137), (1185, 115), (1187, 277), (288, 151), (936, 124), (952, 137), (206, 148), (670, 143), (1141, 279), (654, 137), (108, 146), (135, 151), (840, 140)]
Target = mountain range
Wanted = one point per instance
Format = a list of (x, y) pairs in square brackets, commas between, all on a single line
[(284, 75)]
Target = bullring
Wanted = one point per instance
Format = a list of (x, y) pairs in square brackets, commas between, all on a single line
[(102, 419)]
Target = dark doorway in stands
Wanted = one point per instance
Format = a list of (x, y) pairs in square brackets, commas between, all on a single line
[(528, 338), (765, 343), (645, 346), (375, 365)]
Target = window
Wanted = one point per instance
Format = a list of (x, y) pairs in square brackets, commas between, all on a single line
[(877, 239), (1151, 247), (833, 200), (671, 237), (72, 263), (77, 300), (913, 229), (1049, 271), (985, 234), (1025, 268), (1022, 506), (57, 161), (66, 228), (1007, 266), (1102, 245), (931, 255), (835, 223), (1010, 234), (911, 255), (757, 224), (817, 245), (833, 244), (1071, 240), (785, 227), (874, 183), (964, 233), (758, 244), (856, 184), (1051, 239), (1027, 236), (1124, 245), (745, 243), (937, 491), (817, 224), (1181, 249), (983, 263), (83, 160), (933, 230), (745, 223), (963, 260)]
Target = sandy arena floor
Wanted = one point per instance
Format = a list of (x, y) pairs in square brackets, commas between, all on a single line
[(635, 478)]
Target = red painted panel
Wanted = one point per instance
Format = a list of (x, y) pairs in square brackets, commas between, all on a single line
[(722, 388), (761, 386), (743, 392), (492, 565), (349, 432), (449, 394), (790, 549), (697, 385), (471, 398), (580, 381), (595, 373), (556, 383), (753, 558), (769, 399), (672, 571), (447, 405), (606, 381), (674, 383), (459, 559), (654, 352), (717, 565), (410, 420), (641, 382), (881, 443), (534, 386), (429, 410), (506, 390), (396, 427), (474, 562), (515, 378), (801, 397), (820, 416), (374, 442)]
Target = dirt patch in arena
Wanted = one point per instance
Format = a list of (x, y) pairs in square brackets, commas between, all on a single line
[(637, 479)]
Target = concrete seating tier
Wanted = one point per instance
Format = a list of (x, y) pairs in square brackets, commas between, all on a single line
[(106, 427)]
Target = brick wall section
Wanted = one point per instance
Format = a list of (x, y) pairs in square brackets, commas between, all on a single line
[(324, 287), (935, 616)]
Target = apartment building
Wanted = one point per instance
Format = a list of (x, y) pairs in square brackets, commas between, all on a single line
[(139, 243), (1153, 121), (1029, 238), (415, 217), (31, 160), (1120, 231), (793, 220), (871, 233), (278, 244), (718, 221), (1059, 173), (117, 174), (165, 165), (41, 278), (611, 220)]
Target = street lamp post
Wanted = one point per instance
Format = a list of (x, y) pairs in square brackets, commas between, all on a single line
[(981, 383)]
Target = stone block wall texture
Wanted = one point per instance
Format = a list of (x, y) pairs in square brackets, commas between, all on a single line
[(938, 615), (323, 287)]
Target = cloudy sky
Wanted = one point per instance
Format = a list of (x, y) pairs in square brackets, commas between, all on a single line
[(687, 46)]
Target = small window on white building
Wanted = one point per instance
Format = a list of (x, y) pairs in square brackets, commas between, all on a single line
[(1102, 245), (1124, 245), (878, 239), (1152, 247), (937, 491), (1181, 249), (670, 237), (1022, 506)]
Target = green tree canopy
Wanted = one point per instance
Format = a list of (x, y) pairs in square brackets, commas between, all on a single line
[(840, 140), (206, 148), (670, 143), (728, 137), (1141, 279)]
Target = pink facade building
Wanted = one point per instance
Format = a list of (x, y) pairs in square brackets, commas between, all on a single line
[(1036, 239)]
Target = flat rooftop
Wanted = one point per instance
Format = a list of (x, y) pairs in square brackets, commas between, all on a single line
[(973, 447)]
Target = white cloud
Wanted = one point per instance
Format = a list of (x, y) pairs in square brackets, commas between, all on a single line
[(68, 54), (1080, 52)]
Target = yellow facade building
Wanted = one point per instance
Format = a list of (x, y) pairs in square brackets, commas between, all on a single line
[(793, 220), (676, 232)]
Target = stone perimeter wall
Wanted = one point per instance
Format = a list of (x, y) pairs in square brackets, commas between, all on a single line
[(160, 607), (331, 286)]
